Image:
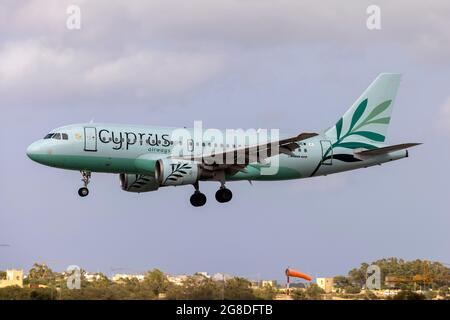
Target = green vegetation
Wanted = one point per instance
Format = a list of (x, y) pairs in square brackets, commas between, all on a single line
[(433, 275), (43, 283), (16, 293), (196, 287), (240, 289), (408, 295), (265, 293), (431, 279), (313, 292)]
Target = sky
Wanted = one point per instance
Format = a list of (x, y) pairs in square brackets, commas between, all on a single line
[(292, 65)]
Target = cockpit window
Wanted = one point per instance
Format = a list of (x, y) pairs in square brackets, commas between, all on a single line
[(49, 136), (58, 136)]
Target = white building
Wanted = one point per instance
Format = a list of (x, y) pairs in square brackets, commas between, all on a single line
[(120, 276), (203, 273), (327, 284), (13, 278), (90, 277), (177, 280), (221, 277)]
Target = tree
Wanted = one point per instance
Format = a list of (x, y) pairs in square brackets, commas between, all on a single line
[(41, 274), (314, 292), (357, 276), (14, 293), (352, 289), (435, 273), (341, 282), (298, 294), (196, 287), (369, 295), (267, 292), (43, 294), (443, 291), (408, 295), (175, 292), (156, 281), (238, 289), (100, 281)]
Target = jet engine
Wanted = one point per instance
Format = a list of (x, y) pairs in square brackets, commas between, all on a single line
[(170, 172), (138, 182)]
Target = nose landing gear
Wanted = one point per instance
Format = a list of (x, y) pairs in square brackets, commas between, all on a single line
[(85, 177)]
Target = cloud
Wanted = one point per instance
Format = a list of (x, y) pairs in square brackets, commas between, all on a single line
[(235, 23), (153, 72), (53, 74), (246, 24), (166, 49)]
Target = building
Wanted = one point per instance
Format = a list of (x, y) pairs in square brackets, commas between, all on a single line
[(255, 284), (327, 284), (13, 278), (120, 277), (91, 277), (203, 273), (177, 280), (221, 277), (271, 283)]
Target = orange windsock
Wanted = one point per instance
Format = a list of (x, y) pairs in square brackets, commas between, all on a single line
[(297, 274)]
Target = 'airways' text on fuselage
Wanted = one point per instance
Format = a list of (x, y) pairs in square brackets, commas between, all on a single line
[(127, 139)]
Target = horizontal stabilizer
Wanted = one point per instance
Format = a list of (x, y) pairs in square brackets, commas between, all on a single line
[(384, 150)]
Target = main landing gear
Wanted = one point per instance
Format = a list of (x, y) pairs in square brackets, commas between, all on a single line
[(86, 176), (198, 199), (223, 194)]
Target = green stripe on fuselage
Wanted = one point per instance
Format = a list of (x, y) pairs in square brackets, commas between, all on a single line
[(97, 164), (147, 166), (253, 172)]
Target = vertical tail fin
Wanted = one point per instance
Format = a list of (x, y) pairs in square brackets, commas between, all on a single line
[(368, 118)]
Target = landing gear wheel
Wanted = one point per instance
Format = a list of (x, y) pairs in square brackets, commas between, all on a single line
[(198, 199), (85, 177), (224, 195), (83, 192)]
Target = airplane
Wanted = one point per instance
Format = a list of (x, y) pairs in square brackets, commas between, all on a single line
[(143, 155)]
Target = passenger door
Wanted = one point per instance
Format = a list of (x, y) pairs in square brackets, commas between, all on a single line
[(90, 139)]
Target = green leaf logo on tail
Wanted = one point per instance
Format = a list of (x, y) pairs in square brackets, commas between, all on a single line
[(357, 122)]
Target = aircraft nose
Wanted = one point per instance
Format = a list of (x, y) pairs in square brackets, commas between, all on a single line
[(33, 150)]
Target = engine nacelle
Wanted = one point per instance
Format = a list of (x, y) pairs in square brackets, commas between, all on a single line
[(138, 183), (171, 172)]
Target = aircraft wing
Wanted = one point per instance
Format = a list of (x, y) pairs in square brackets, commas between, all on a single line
[(241, 157)]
